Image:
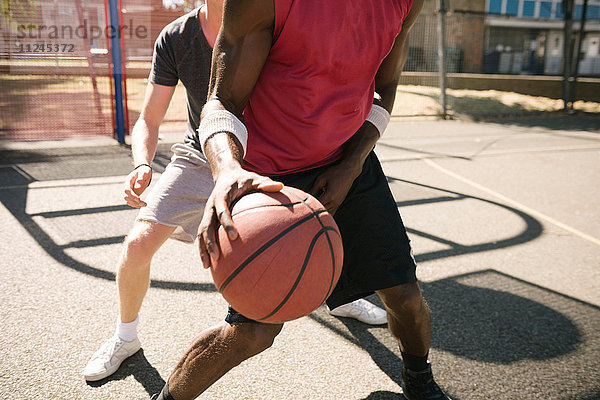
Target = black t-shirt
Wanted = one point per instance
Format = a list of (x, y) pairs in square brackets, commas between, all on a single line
[(181, 53)]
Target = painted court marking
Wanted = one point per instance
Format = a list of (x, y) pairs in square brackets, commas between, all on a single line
[(514, 203), (74, 182)]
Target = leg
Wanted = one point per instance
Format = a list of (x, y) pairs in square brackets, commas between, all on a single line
[(409, 318), (215, 352), (177, 199), (410, 323), (133, 276)]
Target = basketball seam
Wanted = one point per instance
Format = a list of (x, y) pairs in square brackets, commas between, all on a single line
[(264, 206), (328, 241), (303, 201), (300, 273), (332, 263), (261, 249)]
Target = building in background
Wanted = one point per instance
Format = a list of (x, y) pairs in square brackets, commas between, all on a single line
[(526, 37), (504, 37)]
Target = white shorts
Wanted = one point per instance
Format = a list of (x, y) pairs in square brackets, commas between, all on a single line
[(179, 197)]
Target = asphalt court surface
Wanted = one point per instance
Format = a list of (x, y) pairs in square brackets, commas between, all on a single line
[(505, 224)]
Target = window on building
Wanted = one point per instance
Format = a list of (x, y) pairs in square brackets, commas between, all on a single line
[(559, 10), (512, 7), (545, 9), (529, 9), (495, 6)]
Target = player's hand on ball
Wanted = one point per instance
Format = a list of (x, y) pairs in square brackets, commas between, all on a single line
[(229, 186), (332, 186), (135, 184)]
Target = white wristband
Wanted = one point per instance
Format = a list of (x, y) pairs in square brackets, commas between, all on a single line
[(222, 121), (379, 117)]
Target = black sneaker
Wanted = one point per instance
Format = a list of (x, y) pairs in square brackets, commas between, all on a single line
[(421, 386)]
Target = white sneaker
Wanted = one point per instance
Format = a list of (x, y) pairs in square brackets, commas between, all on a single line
[(363, 311), (108, 358)]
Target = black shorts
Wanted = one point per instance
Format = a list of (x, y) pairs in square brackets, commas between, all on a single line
[(377, 252)]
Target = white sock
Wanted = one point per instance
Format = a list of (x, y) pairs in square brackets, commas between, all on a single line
[(127, 331)]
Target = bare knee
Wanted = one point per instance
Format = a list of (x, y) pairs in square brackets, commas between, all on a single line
[(136, 253), (403, 299), (253, 338), (141, 243)]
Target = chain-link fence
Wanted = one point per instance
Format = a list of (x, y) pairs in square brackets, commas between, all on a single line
[(54, 82), (56, 69), (497, 63), (57, 56)]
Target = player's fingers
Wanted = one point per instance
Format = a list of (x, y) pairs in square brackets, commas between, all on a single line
[(206, 235), (329, 200), (131, 179), (204, 256), (211, 243), (318, 188), (132, 199), (332, 208), (268, 185), (141, 184), (328, 204), (136, 204), (226, 220)]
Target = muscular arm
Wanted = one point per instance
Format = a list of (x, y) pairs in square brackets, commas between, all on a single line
[(240, 52), (144, 140), (333, 185), (388, 75)]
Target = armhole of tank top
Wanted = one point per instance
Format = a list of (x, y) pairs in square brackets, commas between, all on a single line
[(408, 7), (282, 11)]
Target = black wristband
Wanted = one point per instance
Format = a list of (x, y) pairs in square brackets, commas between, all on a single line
[(139, 165)]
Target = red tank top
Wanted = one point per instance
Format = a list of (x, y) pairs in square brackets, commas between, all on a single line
[(317, 85)]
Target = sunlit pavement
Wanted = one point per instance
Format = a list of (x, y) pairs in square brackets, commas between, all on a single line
[(505, 224)]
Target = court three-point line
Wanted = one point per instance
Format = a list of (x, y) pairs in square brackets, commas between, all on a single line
[(514, 203)]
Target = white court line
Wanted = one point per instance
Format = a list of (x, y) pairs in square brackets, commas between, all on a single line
[(514, 203), (58, 183)]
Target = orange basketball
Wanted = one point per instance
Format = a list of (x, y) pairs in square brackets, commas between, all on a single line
[(286, 260)]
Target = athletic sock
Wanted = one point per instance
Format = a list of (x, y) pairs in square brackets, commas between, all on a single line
[(415, 363), (127, 331)]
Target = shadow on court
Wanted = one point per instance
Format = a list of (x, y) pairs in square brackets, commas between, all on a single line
[(487, 317), (14, 197), (484, 318), (137, 366)]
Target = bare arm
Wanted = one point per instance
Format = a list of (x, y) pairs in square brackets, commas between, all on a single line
[(388, 75), (144, 140), (332, 187), (240, 52)]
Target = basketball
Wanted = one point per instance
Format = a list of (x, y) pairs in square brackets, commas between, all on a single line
[(286, 260)]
